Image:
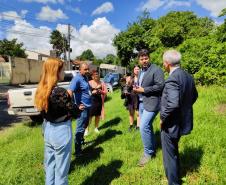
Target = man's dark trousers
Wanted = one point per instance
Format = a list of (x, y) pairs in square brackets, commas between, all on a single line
[(170, 157), (81, 123)]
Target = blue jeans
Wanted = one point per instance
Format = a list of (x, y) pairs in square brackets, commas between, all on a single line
[(81, 123), (146, 130), (57, 156)]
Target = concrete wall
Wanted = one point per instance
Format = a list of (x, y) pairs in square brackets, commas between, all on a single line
[(25, 71), (35, 70)]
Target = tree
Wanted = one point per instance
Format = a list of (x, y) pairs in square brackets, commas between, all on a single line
[(221, 30), (176, 27), (111, 59), (132, 40), (87, 55), (59, 42), (223, 13), (12, 48), (97, 61), (155, 35)]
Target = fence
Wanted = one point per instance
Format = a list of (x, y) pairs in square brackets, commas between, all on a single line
[(5, 72)]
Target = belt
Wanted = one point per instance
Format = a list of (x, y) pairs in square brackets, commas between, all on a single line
[(59, 120)]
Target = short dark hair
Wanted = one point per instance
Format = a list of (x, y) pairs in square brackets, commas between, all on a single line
[(143, 52)]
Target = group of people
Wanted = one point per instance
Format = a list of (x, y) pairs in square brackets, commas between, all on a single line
[(150, 94)]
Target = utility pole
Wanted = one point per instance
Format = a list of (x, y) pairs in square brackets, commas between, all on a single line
[(69, 46), (65, 48)]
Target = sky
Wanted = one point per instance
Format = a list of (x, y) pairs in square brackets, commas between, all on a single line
[(94, 23)]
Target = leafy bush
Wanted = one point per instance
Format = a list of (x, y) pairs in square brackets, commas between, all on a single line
[(205, 58)]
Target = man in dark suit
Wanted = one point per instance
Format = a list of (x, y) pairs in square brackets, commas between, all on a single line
[(179, 94), (149, 89)]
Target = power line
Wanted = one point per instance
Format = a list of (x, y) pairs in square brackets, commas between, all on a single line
[(20, 24), (4, 6), (5, 27), (5, 24), (24, 33), (22, 19)]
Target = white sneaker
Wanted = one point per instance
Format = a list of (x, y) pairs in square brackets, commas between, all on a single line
[(86, 133), (96, 130)]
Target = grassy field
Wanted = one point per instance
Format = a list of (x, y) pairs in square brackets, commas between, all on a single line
[(112, 156), (4, 80)]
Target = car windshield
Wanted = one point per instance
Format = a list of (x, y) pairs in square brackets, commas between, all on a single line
[(107, 78), (115, 75), (111, 77)]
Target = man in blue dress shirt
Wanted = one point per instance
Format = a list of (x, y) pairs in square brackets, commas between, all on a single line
[(79, 86)]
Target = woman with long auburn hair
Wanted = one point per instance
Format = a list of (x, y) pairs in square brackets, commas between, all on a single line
[(57, 109), (50, 75)]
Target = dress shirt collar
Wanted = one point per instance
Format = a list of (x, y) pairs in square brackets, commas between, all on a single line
[(146, 68), (173, 69)]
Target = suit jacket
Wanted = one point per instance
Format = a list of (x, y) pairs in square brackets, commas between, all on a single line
[(178, 96), (153, 83)]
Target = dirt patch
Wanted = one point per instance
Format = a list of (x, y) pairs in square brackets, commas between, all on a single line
[(221, 108)]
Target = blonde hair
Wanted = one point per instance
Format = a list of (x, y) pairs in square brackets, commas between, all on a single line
[(50, 75)]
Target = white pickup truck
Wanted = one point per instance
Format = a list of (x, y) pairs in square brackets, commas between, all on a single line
[(21, 100)]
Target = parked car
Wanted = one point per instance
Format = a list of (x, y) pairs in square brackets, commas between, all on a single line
[(112, 80), (21, 100)]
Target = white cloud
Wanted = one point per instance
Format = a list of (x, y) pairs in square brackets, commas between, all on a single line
[(13, 15), (150, 5), (44, 1), (10, 15), (76, 9), (97, 37), (51, 15), (214, 7), (23, 13), (104, 8), (36, 39), (173, 3)]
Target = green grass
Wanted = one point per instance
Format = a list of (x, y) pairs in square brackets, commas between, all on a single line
[(4, 80), (112, 156)]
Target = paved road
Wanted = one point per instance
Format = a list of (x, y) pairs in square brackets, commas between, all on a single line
[(5, 119)]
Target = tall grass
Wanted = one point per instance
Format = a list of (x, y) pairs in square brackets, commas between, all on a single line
[(111, 157)]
